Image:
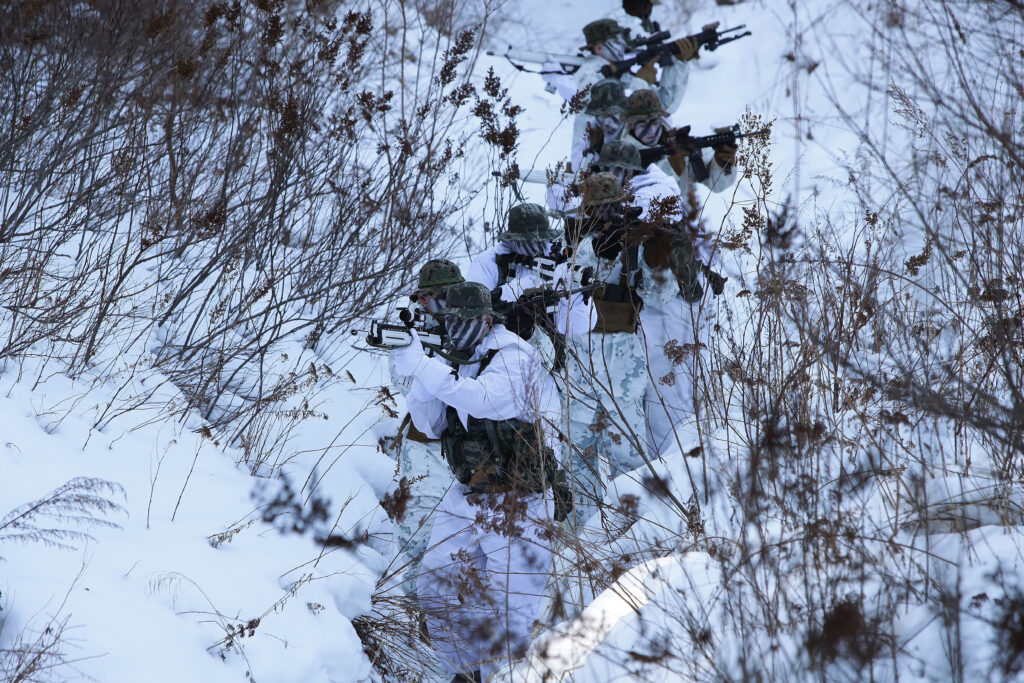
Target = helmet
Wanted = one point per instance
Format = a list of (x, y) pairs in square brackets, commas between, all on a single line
[(528, 222), (468, 300), (435, 274), (607, 98), (597, 32), (620, 153), (600, 188), (643, 104)]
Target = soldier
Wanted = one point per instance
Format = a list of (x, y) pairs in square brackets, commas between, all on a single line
[(670, 328), (600, 121), (510, 266), (606, 41), (484, 574), (647, 125), (609, 377), (420, 463)]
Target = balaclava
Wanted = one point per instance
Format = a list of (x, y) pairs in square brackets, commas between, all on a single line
[(614, 48), (530, 247), (465, 334)]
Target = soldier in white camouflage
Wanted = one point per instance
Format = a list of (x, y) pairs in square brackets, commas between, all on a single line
[(647, 125), (421, 465), (609, 377), (496, 410), (607, 42)]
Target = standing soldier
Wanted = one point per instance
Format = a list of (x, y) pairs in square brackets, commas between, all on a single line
[(606, 41), (670, 323), (647, 125), (608, 433), (484, 574), (511, 266), (420, 464), (600, 121)]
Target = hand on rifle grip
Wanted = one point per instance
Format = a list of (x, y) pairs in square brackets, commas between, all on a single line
[(686, 49)]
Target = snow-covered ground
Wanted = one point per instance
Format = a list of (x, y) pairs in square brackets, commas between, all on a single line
[(185, 581)]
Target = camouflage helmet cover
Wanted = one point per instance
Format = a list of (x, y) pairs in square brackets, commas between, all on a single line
[(600, 188), (607, 98), (620, 153), (643, 104), (597, 32), (437, 273), (528, 222), (469, 300)]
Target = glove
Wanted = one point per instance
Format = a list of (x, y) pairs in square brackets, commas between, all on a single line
[(686, 49), (725, 155), (658, 251), (647, 72), (563, 501), (520, 321), (716, 281), (409, 358)]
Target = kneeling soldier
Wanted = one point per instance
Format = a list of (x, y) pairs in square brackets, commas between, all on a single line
[(483, 578)]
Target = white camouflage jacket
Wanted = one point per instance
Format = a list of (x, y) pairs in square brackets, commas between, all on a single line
[(513, 385)]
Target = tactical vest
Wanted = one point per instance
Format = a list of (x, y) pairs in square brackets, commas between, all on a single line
[(497, 455)]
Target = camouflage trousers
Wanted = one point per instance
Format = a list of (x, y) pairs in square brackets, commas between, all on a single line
[(672, 335), (429, 477), (484, 578), (608, 378)]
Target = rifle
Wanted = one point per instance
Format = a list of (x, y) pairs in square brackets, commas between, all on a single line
[(384, 335), (681, 141), (626, 230), (569, 64), (710, 38), (537, 306), (545, 266), (539, 176)]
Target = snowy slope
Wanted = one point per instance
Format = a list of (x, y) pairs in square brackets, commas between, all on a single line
[(167, 595)]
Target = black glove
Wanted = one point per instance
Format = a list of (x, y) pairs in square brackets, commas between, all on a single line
[(716, 281), (725, 155), (563, 501), (520, 320)]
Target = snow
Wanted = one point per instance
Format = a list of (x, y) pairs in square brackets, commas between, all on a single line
[(191, 561)]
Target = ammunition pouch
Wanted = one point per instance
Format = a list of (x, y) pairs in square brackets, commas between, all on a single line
[(618, 309), (497, 455)]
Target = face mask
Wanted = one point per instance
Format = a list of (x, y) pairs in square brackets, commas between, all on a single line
[(614, 49), (531, 247), (465, 334), (610, 126), (433, 305), (622, 173), (647, 131)]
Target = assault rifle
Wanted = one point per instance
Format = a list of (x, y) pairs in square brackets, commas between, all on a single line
[(710, 38), (545, 266), (569, 64), (680, 140), (384, 335), (536, 307), (625, 229)]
